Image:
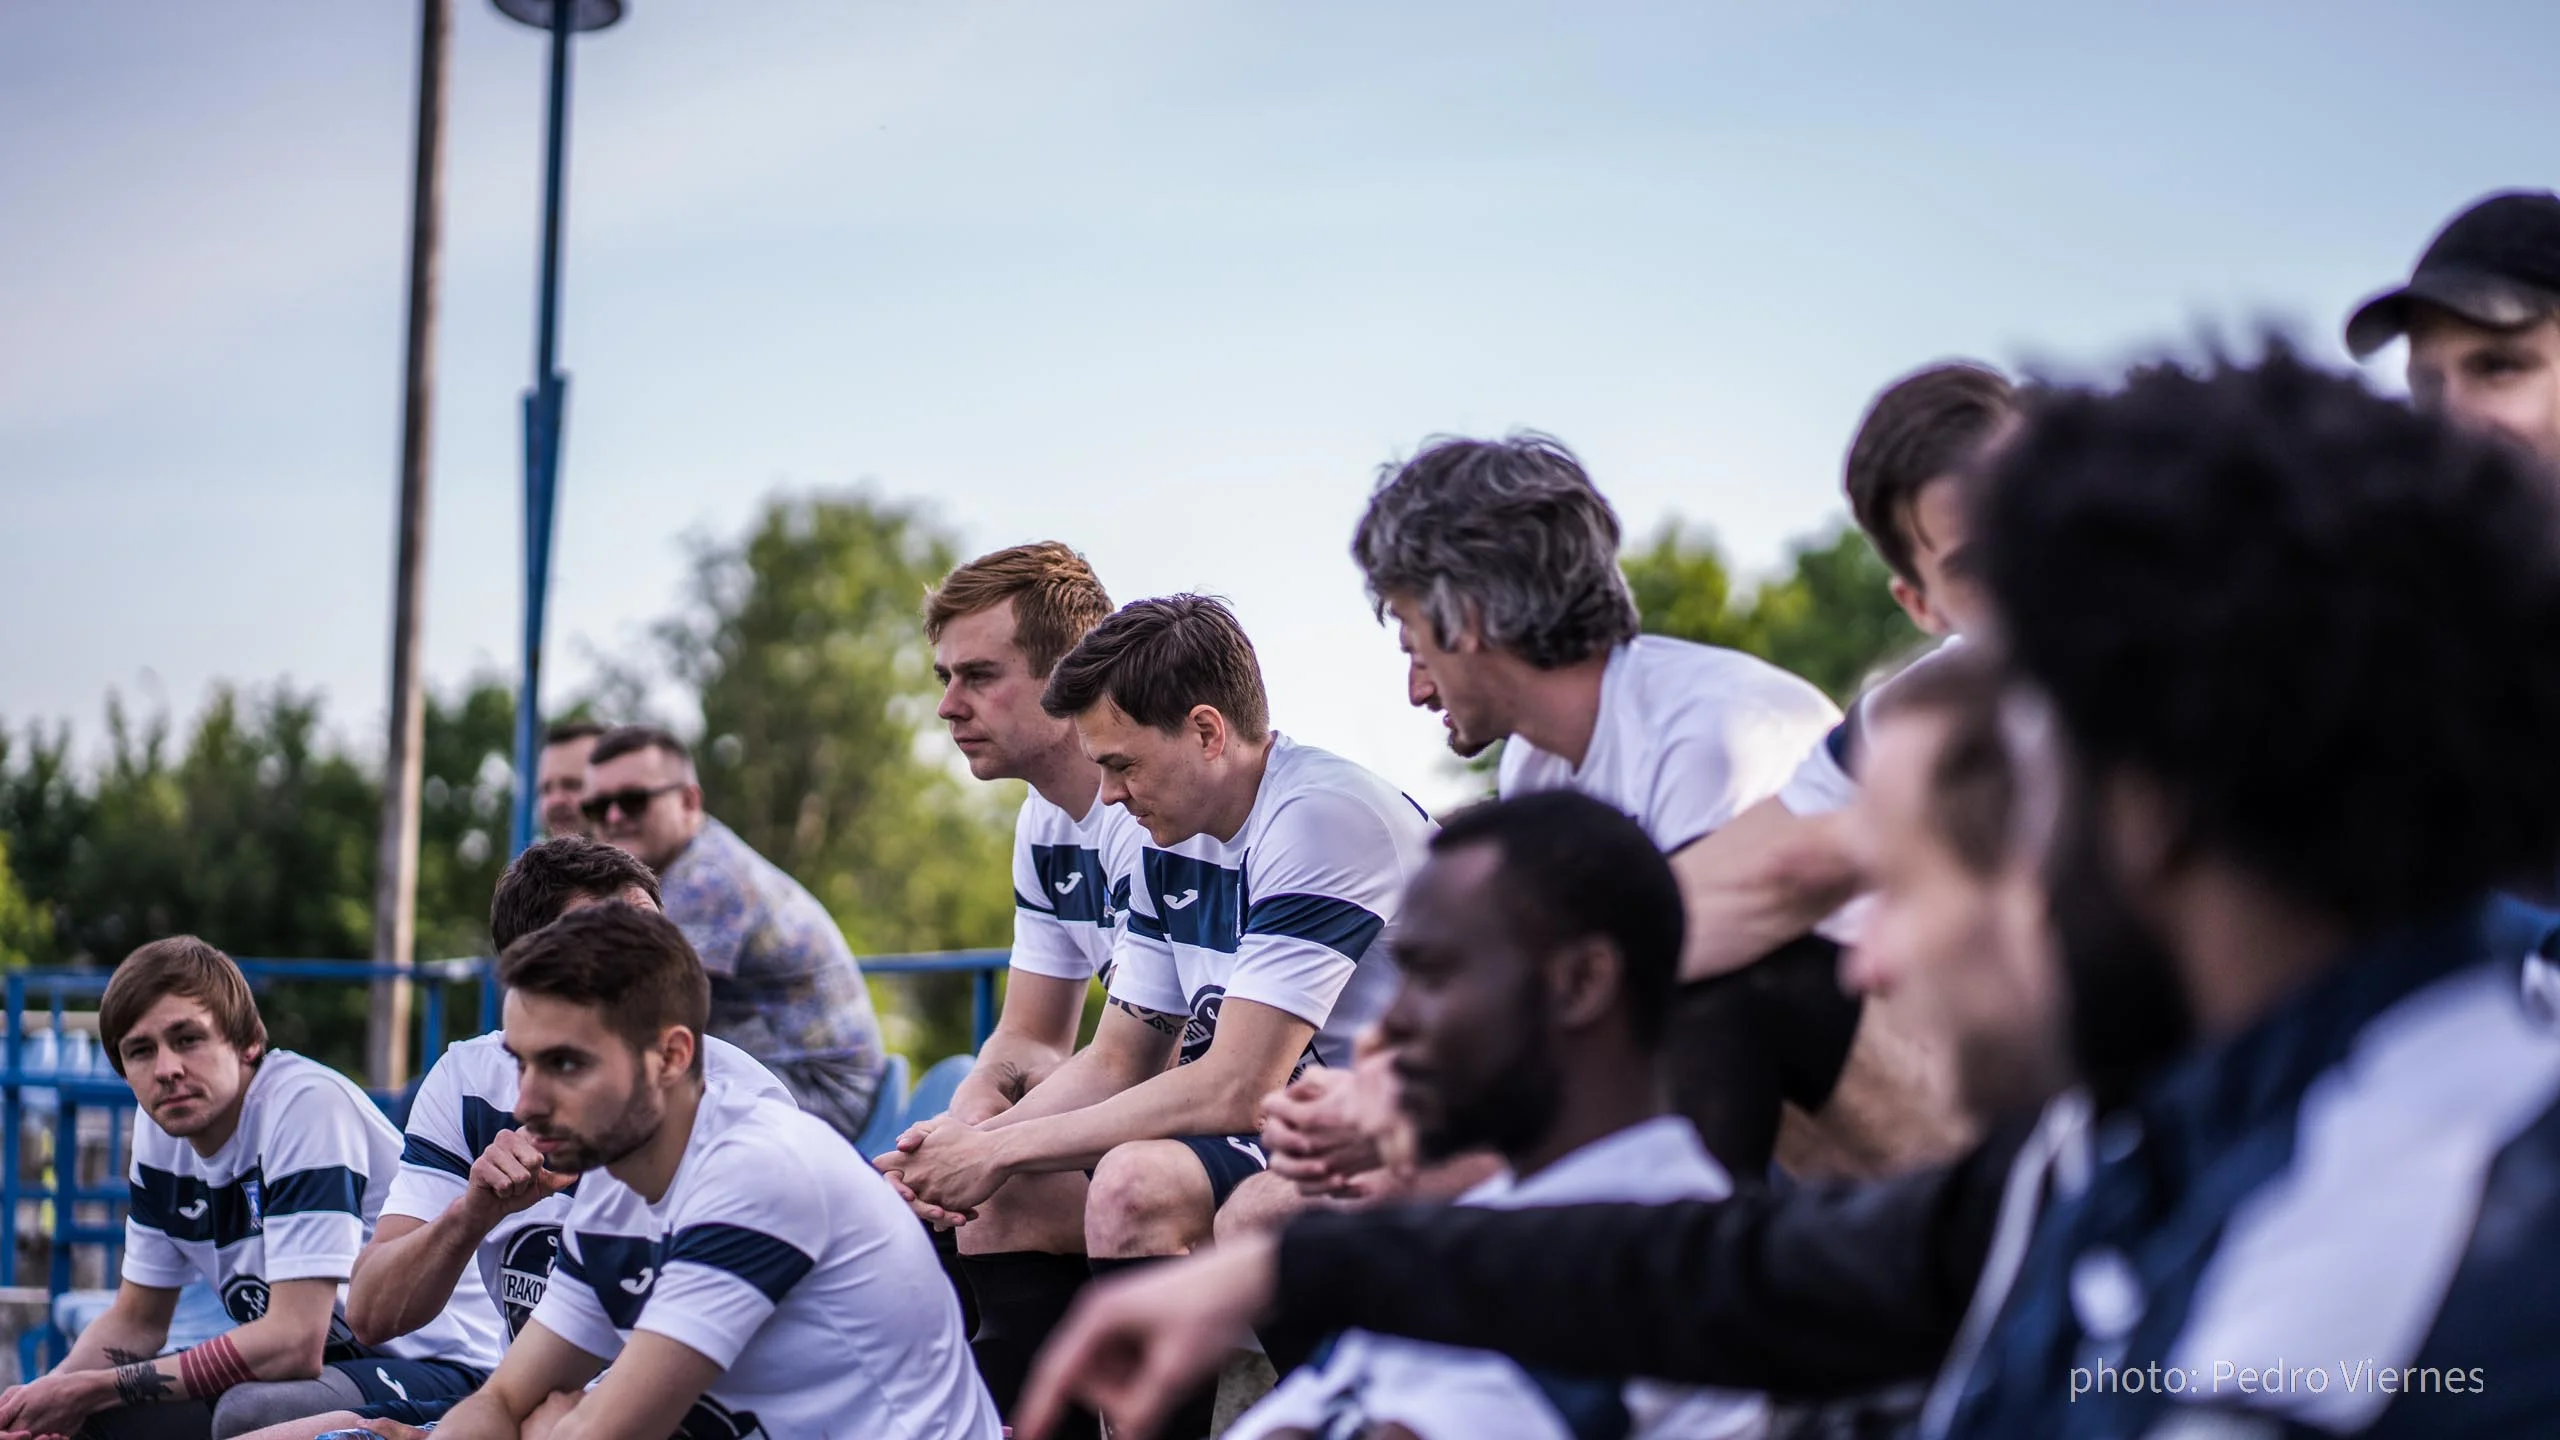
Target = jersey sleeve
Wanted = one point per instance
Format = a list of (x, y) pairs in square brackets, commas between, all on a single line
[(435, 1150), (1323, 885), (1142, 968), (314, 1161), (1822, 783), (1049, 888), (569, 1307), (741, 1243), (150, 1256)]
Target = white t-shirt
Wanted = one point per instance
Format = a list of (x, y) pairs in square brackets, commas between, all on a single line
[(469, 1095), (1443, 1393), (1824, 778), (784, 1258), (1688, 736), (1071, 882), (1295, 912), (292, 1195)]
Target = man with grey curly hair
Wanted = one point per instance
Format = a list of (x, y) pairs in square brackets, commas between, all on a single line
[(1498, 562)]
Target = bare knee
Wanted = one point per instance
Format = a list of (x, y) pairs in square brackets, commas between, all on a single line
[(1029, 1212), (1263, 1203), (1150, 1197)]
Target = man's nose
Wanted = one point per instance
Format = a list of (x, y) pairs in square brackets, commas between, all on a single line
[(1418, 689)]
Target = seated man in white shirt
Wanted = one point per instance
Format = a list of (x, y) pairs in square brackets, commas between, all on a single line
[(472, 1197), (725, 1251), (1538, 949), (1256, 942), (260, 1172), (999, 625)]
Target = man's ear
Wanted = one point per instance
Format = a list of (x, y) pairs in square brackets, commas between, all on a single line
[(2146, 827), (1584, 981), (677, 1045), (1209, 728), (1915, 603)]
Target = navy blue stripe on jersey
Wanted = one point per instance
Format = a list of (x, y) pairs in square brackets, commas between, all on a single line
[(304, 1192), (620, 1270), (428, 1155), (1072, 884), (1591, 1409), (1334, 923), (772, 1266), (1146, 927), (481, 1122), (184, 1207), (1198, 903), (1841, 741), (1025, 902)]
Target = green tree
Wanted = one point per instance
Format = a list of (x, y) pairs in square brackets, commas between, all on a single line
[(803, 641), (1831, 617), (26, 929), (1828, 616)]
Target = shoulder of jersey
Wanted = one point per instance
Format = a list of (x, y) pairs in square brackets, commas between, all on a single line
[(476, 1060), (1308, 770), (1680, 674)]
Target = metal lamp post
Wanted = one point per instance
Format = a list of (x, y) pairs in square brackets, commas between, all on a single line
[(545, 402)]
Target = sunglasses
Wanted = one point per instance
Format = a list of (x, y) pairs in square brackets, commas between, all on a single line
[(633, 801)]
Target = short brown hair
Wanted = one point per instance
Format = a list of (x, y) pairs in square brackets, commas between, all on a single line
[(564, 731), (1156, 659), (1056, 599), (634, 965), (624, 740), (1923, 426), (1972, 787), (186, 966), (539, 884)]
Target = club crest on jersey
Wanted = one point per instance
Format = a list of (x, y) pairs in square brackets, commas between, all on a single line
[(244, 1298), (1203, 1025), (524, 1272)]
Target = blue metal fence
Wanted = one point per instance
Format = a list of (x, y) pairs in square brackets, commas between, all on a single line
[(57, 1072)]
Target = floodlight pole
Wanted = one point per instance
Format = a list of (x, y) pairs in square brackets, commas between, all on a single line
[(395, 895), (545, 404)]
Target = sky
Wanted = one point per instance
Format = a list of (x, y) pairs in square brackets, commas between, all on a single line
[(1166, 279)]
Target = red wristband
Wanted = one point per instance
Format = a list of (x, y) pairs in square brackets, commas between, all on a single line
[(212, 1367)]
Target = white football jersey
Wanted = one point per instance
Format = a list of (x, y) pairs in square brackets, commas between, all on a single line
[(1295, 912), (469, 1095), (292, 1195), (1442, 1393), (1825, 779), (1688, 736), (1071, 882), (787, 1260)]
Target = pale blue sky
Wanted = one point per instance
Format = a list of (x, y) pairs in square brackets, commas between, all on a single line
[(1163, 278)]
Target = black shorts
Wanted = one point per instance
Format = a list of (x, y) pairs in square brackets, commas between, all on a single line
[(411, 1391), (1230, 1160)]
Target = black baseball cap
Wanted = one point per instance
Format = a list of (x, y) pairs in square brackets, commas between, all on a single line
[(2496, 265)]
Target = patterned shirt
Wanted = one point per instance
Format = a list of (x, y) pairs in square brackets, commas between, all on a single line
[(784, 985)]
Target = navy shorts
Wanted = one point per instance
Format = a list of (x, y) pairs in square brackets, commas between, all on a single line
[(411, 1391), (1230, 1160)]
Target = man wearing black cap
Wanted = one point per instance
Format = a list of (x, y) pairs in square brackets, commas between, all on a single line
[(2482, 316)]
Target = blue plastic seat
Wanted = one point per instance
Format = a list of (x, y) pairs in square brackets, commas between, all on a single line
[(933, 1092), (888, 1110)]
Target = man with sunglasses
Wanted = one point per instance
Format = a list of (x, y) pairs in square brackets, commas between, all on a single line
[(784, 985)]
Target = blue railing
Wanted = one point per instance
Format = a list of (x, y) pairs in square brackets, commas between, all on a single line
[(57, 1072)]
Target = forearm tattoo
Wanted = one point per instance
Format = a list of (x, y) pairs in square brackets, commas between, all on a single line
[(139, 1382), (1156, 1020)]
